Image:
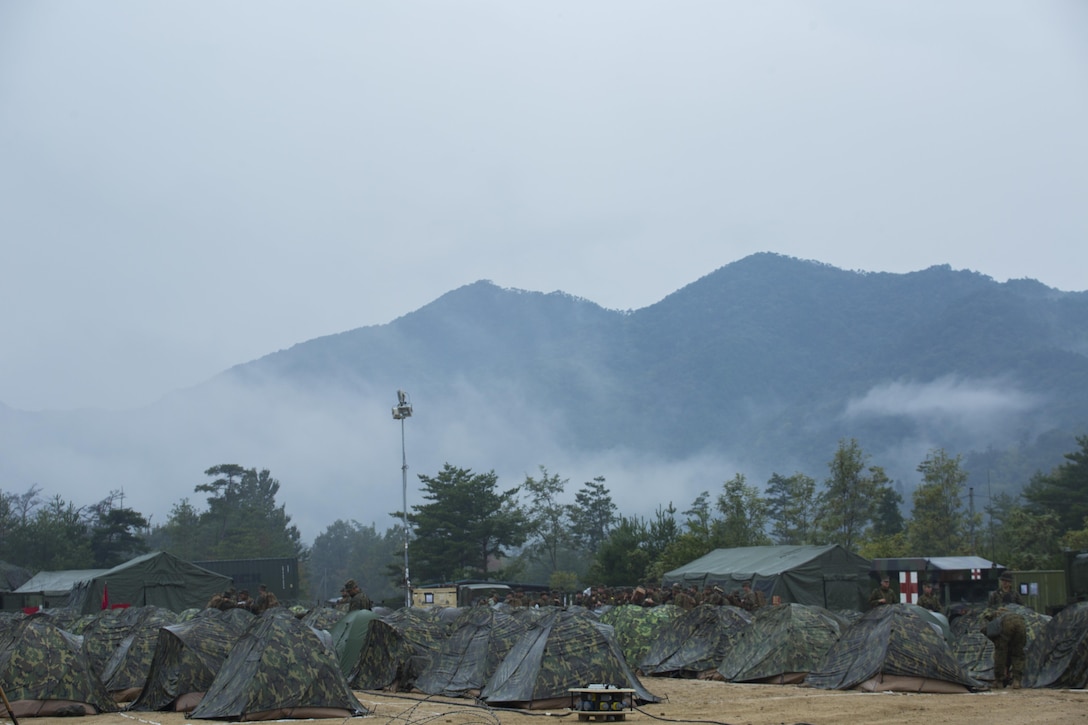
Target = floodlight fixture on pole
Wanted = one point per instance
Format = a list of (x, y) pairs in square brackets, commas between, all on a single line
[(402, 410)]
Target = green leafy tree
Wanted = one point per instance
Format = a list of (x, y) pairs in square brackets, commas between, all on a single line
[(467, 525), (622, 559), (16, 515), (677, 546), (1064, 491), (791, 503), (549, 525), (350, 550), (180, 535), (59, 531), (939, 523), (116, 532), (1076, 540), (1023, 538), (242, 520), (888, 519), (848, 502), (744, 516), (592, 515)]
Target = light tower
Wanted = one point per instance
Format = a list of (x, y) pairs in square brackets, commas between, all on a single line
[(402, 410)]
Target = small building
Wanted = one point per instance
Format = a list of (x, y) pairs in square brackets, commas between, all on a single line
[(958, 579)]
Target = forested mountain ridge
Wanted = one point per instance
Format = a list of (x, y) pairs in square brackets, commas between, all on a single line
[(763, 355), (760, 367)]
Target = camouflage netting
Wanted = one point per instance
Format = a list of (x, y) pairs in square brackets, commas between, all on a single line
[(108, 629), (1058, 656), (782, 644), (44, 671), (891, 647), (397, 648), (975, 651), (322, 617), (279, 668), (693, 644), (384, 660), (477, 642), (560, 651), (126, 669), (187, 656), (637, 627)]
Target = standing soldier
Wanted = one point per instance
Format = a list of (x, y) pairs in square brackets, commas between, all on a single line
[(681, 598), (751, 599), (883, 594), (265, 600), (929, 599), (357, 598), (1007, 629)]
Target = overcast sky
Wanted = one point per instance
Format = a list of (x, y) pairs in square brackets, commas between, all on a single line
[(188, 186)]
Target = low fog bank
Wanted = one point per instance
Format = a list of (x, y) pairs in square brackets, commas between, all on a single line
[(337, 453)]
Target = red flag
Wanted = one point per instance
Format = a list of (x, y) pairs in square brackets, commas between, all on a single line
[(105, 597)]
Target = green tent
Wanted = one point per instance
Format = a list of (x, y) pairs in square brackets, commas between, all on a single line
[(561, 650), (157, 578), (279, 668), (45, 672), (783, 644), (892, 648), (694, 643), (186, 658), (822, 576), (1058, 657)]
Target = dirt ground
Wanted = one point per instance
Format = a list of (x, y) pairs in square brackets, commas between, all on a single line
[(701, 701)]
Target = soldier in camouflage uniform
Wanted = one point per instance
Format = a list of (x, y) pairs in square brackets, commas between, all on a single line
[(681, 598), (1008, 631), (713, 596), (357, 598), (751, 599), (882, 594), (929, 599)]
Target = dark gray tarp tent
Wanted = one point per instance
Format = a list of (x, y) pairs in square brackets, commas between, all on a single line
[(1059, 656), (157, 578), (822, 576), (895, 648)]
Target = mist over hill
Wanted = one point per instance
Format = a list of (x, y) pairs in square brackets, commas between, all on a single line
[(761, 366)]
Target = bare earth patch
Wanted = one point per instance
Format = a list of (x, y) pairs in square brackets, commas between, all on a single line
[(695, 701)]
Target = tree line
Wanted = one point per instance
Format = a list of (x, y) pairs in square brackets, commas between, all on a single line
[(469, 527)]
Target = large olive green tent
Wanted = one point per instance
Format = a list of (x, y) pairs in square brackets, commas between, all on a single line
[(157, 578), (822, 576)]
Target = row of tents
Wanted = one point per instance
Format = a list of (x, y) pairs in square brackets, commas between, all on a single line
[(231, 664)]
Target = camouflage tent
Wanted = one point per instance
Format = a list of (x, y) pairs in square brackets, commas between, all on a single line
[(279, 668), (349, 634), (891, 647), (559, 651), (467, 657), (322, 617), (693, 644), (126, 669), (637, 627), (383, 657), (782, 645), (394, 649), (104, 632), (975, 651), (186, 658), (44, 672), (824, 576), (1058, 656)]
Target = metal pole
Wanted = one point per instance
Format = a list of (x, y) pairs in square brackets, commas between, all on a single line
[(404, 514)]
